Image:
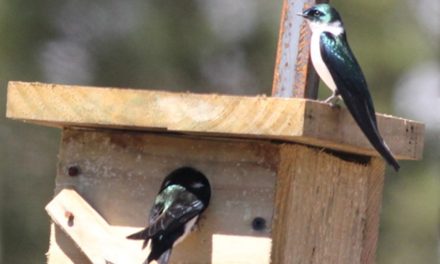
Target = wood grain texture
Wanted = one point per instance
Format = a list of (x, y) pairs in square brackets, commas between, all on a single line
[(327, 209), (90, 231), (121, 172), (319, 207), (294, 75), (372, 220), (296, 120)]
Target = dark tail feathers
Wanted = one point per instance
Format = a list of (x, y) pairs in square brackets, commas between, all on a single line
[(383, 149), (362, 110), (368, 125), (142, 235)]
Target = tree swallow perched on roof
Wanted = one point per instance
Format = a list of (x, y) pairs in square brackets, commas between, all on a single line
[(183, 196), (336, 65)]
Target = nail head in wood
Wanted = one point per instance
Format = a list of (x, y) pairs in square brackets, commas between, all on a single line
[(73, 171), (69, 215)]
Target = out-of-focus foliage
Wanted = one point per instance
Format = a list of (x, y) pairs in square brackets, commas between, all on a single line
[(222, 46)]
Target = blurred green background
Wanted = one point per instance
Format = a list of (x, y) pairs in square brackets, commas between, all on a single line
[(222, 46)]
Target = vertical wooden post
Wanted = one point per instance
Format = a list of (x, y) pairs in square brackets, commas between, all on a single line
[(294, 75), (326, 208)]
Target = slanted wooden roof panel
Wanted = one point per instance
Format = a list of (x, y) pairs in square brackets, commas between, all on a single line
[(290, 119)]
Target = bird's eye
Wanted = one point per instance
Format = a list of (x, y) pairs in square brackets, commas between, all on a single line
[(317, 13)]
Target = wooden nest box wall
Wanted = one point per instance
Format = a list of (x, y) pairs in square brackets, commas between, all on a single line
[(293, 180), (300, 165)]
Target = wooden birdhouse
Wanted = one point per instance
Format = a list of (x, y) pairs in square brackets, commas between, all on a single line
[(293, 179)]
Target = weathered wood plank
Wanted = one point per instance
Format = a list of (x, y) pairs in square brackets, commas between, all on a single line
[(327, 209), (298, 120), (120, 173)]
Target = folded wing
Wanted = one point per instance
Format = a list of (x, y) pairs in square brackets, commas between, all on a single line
[(184, 207), (352, 86)]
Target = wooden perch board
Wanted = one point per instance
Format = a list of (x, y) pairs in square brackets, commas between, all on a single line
[(288, 119), (90, 231)]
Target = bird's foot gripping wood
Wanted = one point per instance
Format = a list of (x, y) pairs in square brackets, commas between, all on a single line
[(333, 100)]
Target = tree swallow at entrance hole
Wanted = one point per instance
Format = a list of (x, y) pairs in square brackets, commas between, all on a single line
[(338, 68), (183, 196)]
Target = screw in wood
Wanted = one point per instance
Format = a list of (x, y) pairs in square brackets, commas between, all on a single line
[(259, 224)]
